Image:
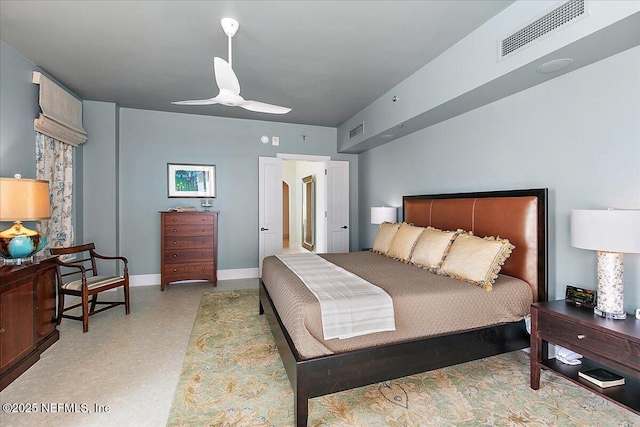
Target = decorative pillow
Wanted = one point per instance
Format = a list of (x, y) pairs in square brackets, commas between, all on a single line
[(404, 241), (476, 260), (431, 248), (385, 236)]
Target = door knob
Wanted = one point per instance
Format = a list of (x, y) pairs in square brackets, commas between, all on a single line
[(264, 229), (344, 227)]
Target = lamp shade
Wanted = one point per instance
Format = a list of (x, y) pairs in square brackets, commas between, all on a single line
[(606, 230), (383, 214), (24, 199)]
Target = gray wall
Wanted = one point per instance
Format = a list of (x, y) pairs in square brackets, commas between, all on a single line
[(18, 108), (149, 140), (99, 179), (578, 135)]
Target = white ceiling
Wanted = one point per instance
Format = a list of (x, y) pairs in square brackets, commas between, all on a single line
[(327, 60)]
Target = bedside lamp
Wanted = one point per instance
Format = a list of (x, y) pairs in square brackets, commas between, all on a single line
[(611, 233), (22, 200), (383, 214)]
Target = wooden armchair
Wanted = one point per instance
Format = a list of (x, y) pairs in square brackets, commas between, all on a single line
[(85, 282)]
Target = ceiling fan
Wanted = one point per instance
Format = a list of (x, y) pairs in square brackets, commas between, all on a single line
[(228, 84)]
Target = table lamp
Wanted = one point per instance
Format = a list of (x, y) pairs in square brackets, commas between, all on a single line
[(383, 214), (611, 233), (22, 200)]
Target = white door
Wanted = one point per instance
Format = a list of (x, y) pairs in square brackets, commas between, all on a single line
[(337, 206), (270, 208)]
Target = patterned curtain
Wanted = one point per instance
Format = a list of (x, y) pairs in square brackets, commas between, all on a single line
[(54, 163)]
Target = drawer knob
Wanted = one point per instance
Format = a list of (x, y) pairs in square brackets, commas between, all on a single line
[(581, 336), (203, 242), (175, 270), (175, 220), (174, 230), (175, 255), (175, 243), (204, 254), (1, 330)]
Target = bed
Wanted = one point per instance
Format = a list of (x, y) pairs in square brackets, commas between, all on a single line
[(518, 215)]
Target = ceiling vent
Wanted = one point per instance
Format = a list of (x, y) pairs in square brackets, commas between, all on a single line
[(356, 130), (556, 20)]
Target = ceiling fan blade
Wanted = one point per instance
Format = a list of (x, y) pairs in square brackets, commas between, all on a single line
[(261, 107), (225, 77), (209, 101)]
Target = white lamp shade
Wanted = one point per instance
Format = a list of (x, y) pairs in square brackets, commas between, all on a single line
[(383, 214), (606, 230)]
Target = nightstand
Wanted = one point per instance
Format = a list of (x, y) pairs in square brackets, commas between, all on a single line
[(607, 343)]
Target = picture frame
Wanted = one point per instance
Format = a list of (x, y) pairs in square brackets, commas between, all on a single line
[(191, 180)]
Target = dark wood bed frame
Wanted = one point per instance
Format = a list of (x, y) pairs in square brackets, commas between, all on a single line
[(333, 373)]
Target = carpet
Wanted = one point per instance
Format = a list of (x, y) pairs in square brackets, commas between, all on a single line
[(233, 376)]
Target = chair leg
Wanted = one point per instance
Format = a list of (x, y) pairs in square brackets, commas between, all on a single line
[(60, 307), (85, 310), (126, 298), (94, 300)]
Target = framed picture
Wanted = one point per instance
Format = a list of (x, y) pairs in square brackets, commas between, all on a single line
[(191, 180)]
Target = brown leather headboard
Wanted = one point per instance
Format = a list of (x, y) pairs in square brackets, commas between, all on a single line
[(517, 215)]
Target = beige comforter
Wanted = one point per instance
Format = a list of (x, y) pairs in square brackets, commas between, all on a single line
[(425, 304)]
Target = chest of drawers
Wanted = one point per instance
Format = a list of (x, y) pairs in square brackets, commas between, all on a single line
[(189, 246)]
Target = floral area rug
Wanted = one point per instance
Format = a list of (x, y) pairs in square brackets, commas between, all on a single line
[(233, 376)]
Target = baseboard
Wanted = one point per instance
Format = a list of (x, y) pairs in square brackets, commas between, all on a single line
[(154, 279), (239, 273)]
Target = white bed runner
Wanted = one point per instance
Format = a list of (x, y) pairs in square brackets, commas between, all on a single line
[(350, 306)]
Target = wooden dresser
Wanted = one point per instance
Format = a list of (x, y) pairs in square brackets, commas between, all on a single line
[(27, 316), (189, 246)]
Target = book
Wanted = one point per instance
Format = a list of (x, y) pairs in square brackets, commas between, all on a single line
[(602, 377)]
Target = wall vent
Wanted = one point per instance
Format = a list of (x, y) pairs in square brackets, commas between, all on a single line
[(557, 19), (356, 130)]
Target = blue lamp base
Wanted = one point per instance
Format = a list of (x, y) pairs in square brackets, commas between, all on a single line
[(19, 244)]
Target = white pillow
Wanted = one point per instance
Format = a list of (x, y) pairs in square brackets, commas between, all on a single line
[(385, 236), (475, 259), (431, 248), (404, 241)]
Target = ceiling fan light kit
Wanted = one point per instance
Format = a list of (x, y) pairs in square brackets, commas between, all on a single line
[(228, 83)]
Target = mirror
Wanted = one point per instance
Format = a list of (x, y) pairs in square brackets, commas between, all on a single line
[(308, 212)]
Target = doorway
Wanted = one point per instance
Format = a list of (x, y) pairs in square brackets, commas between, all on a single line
[(303, 206), (333, 199)]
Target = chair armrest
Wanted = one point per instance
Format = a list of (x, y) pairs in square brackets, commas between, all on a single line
[(121, 258), (125, 271)]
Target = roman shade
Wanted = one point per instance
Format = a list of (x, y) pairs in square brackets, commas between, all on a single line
[(61, 116)]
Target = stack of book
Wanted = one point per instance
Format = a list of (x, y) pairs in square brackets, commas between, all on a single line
[(601, 377)]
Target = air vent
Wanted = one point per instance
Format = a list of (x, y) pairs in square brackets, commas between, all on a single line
[(553, 21), (356, 130)]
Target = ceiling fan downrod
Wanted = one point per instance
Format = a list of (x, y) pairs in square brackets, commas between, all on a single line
[(230, 27)]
